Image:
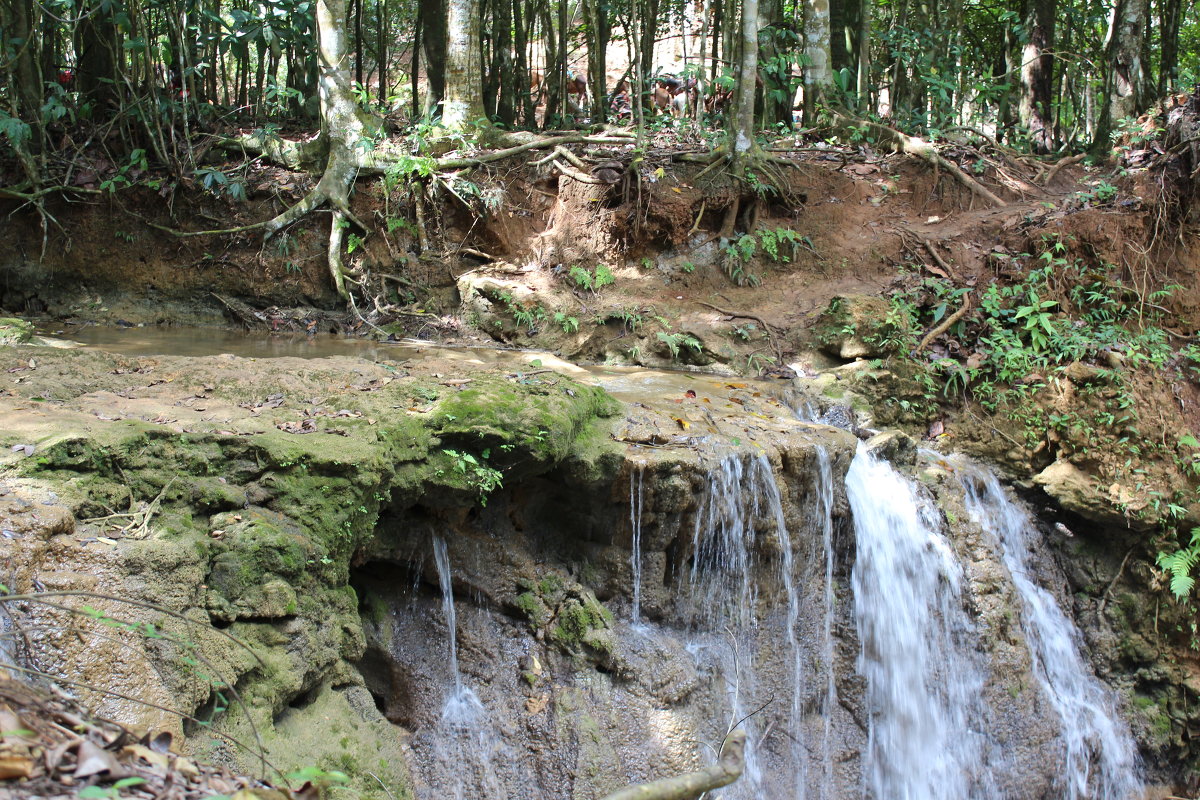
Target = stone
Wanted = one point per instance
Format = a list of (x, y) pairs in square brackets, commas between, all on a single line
[(896, 447), (848, 327), (1079, 492)]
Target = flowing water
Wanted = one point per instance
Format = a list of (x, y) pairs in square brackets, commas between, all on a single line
[(636, 502), (922, 677), (1098, 755), (464, 743), (739, 511)]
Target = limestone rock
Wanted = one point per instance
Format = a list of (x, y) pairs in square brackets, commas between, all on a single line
[(848, 326), (895, 446), (1077, 491)]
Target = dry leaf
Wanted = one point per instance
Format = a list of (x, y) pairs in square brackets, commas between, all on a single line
[(15, 766), (683, 423), (92, 760)]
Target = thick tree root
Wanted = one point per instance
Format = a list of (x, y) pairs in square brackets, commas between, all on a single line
[(684, 787)]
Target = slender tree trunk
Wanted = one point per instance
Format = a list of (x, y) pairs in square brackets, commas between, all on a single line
[(1170, 13), (818, 74), (508, 81), (596, 14), (521, 46), (463, 104), (415, 72), (356, 12), (862, 82), (1125, 79), (1037, 74), (742, 118), (382, 51)]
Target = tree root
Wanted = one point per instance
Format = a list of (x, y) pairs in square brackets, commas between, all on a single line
[(946, 324), (727, 770), (744, 315), (912, 145)]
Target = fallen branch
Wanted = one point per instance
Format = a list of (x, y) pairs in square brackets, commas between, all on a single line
[(946, 324), (684, 787)]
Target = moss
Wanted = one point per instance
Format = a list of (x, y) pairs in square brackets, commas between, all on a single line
[(14, 331)]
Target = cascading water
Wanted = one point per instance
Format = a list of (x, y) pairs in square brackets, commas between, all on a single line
[(922, 679), (1099, 759), (636, 501), (741, 503), (463, 740), (822, 518)]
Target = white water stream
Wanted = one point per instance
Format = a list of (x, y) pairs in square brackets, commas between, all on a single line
[(923, 681), (1098, 755), (464, 740)]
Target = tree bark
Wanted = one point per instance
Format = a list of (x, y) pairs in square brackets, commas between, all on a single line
[(1037, 74), (1125, 77), (433, 28), (1170, 13), (818, 73), (463, 104), (96, 66)]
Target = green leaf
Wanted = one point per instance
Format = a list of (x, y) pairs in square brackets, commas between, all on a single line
[(1187, 440)]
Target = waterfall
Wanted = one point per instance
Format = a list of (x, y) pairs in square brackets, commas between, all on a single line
[(1099, 759), (923, 682), (822, 517), (463, 740), (635, 551), (742, 504)]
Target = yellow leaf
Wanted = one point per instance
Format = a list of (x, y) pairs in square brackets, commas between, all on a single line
[(677, 190), (683, 423)]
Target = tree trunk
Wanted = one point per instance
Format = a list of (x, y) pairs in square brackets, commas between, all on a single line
[(507, 80), (1170, 13), (1123, 83), (818, 74), (1037, 74), (463, 104), (596, 14), (433, 30), (96, 48)]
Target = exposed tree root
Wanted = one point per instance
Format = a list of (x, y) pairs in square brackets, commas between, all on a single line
[(946, 324), (912, 145), (744, 315)]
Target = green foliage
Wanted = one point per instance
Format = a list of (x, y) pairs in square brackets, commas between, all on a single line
[(569, 324), (777, 244), (1179, 565), (674, 341), (108, 792), (479, 474), (592, 280)]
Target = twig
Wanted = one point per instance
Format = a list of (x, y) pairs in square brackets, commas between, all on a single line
[(743, 315), (1113, 582)]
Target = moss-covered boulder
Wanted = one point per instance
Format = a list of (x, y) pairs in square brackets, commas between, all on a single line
[(14, 331)]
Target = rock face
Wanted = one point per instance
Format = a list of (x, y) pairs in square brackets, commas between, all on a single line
[(502, 583)]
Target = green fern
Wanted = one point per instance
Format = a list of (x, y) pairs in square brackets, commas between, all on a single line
[(1179, 566)]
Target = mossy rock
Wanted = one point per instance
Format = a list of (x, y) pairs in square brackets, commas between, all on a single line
[(850, 327), (14, 331)]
